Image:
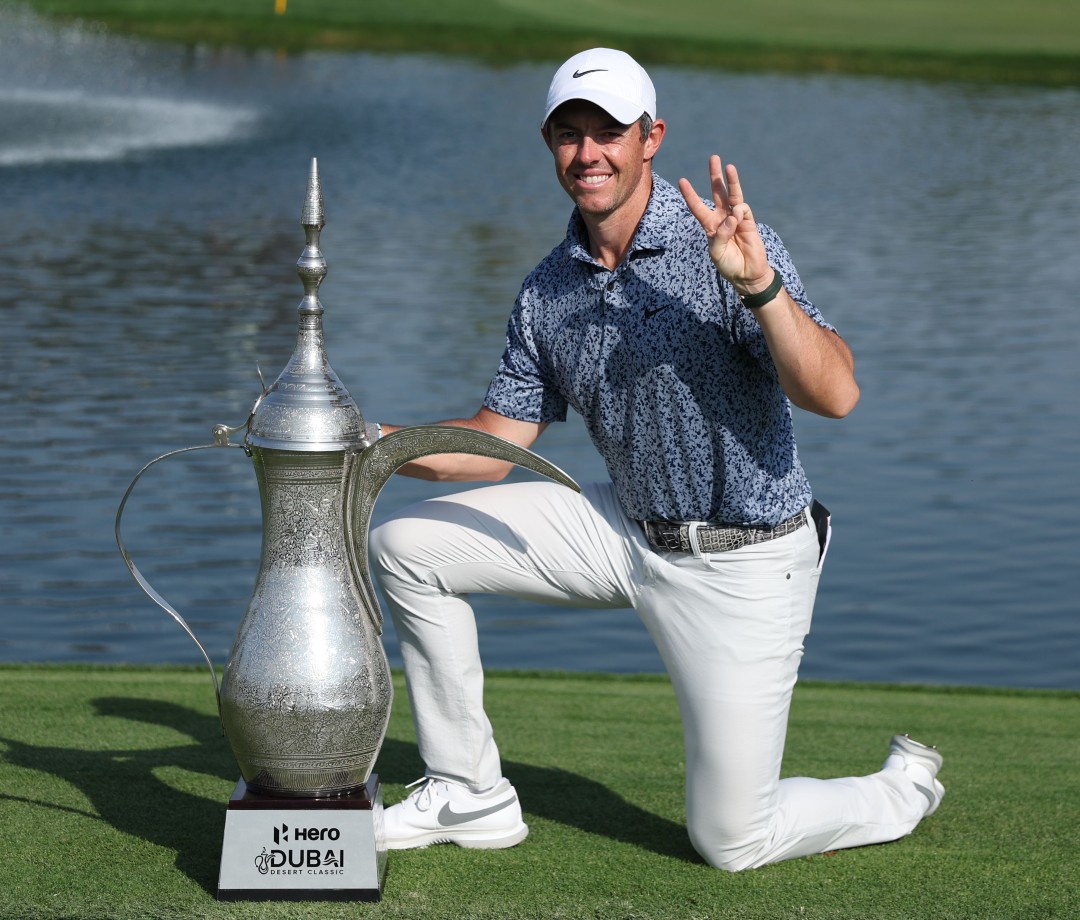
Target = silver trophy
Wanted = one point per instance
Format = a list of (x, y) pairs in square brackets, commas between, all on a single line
[(305, 696)]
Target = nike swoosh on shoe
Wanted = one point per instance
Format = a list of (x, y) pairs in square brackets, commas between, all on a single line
[(933, 796), (449, 818)]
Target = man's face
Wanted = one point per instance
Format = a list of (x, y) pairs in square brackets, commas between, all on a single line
[(602, 164)]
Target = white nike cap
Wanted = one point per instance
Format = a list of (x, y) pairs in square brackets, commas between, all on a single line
[(611, 79)]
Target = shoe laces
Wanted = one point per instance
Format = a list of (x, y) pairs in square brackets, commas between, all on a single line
[(421, 798)]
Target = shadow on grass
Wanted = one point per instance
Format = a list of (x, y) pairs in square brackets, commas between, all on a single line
[(567, 798), (125, 792), (581, 802)]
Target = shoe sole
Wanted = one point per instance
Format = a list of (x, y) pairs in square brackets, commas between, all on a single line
[(916, 749), (930, 758), (470, 841)]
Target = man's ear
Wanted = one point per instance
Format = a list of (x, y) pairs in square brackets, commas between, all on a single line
[(655, 138)]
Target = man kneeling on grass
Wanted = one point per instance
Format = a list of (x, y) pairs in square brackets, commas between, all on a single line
[(679, 328)]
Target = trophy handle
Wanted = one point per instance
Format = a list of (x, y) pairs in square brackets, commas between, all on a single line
[(220, 440), (377, 463)]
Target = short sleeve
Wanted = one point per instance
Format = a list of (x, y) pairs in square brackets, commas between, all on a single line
[(520, 389)]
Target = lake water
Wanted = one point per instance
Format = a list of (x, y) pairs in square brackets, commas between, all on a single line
[(149, 229)]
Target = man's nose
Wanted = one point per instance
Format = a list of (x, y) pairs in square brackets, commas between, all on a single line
[(588, 149)]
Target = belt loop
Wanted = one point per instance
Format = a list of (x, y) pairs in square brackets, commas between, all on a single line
[(692, 536)]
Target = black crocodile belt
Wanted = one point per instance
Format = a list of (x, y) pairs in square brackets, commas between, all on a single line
[(674, 536)]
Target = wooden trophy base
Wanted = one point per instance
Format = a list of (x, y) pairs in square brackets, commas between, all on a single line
[(291, 849)]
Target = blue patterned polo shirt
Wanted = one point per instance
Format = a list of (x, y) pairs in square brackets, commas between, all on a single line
[(670, 371)]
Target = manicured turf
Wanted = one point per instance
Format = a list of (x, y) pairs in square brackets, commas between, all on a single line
[(1037, 41), (113, 784)]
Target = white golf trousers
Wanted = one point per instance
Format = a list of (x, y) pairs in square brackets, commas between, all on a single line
[(729, 628)]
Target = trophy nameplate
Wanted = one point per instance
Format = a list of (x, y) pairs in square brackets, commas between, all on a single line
[(303, 849)]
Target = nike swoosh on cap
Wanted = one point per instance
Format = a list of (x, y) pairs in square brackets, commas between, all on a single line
[(581, 73), (448, 817)]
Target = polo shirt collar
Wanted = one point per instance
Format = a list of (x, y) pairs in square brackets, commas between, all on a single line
[(653, 233)]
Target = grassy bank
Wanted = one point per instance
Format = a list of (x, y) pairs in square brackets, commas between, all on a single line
[(113, 785), (985, 40)]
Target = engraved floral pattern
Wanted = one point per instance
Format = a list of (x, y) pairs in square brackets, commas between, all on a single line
[(307, 692)]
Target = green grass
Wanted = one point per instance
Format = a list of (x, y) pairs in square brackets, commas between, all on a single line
[(113, 784), (1037, 41)]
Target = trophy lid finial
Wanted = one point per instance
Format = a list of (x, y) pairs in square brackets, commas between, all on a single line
[(312, 214), (308, 408)]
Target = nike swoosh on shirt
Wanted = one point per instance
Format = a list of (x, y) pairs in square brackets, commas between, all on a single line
[(448, 817), (652, 311), (581, 73)]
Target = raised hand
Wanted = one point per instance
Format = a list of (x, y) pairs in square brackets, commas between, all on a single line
[(735, 244)]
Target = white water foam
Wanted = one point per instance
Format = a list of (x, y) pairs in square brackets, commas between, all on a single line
[(47, 126), (71, 92)]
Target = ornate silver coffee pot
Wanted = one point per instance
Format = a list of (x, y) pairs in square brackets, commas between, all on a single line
[(305, 696)]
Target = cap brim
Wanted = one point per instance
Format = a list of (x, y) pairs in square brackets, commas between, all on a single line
[(622, 110)]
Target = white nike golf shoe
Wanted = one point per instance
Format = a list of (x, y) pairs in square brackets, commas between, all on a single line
[(920, 762), (437, 811)]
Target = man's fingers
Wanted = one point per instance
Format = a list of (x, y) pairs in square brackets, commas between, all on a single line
[(742, 212), (734, 187), (716, 167), (719, 186), (697, 207), (722, 221)]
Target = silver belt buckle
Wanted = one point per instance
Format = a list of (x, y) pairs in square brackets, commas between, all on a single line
[(698, 538)]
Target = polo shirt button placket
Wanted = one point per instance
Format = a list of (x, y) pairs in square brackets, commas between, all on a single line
[(607, 289)]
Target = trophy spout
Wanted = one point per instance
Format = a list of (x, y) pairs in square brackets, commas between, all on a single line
[(377, 463)]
